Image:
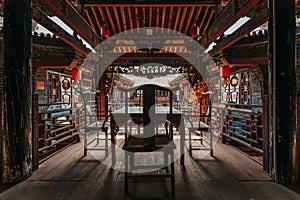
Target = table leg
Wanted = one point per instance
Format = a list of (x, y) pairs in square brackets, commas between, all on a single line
[(182, 138)]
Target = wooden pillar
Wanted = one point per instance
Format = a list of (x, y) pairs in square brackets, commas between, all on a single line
[(283, 87), (17, 90), (265, 133), (35, 132)]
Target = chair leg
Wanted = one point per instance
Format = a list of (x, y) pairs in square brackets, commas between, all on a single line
[(106, 144), (172, 173), (126, 173), (201, 138), (190, 143), (97, 137), (84, 152)]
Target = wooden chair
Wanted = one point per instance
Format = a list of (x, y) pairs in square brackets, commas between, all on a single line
[(197, 128), (138, 143), (92, 123)]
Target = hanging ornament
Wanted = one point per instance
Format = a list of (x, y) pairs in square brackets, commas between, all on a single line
[(76, 74), (225, 71)]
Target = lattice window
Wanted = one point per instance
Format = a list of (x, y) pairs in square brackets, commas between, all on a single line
[(54, 91)]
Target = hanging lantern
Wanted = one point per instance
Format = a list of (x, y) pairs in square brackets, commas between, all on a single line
[(104, 31), (195, 31), (225, 71), (76, 74)]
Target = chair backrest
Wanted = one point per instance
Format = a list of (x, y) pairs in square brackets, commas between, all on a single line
[(89, 110)]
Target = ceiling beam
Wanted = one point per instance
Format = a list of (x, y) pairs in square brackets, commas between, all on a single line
[(117, 19), (258, 19), (157, 17), (177, 18), (90, 19), (74, 42), (170, 21), (51, 63), (197, 16), (130, 18), (232, 12), (65, 11), (203, 18), (163, 18), (144, 16), (183, 19), (96, 17), (247, 61), (208, 20), (150, 17), (112, 24), (144, 3), (136, 14), (124, 18), (189, 20)]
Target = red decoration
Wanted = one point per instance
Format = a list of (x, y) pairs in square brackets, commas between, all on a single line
[(195, 31), (104, 31), (76, 74), (225, 71)]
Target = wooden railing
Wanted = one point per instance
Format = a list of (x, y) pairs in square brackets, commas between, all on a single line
[(243, 125), (54, 128)]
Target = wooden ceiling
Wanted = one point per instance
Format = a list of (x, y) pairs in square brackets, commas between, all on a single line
[(119, 17)]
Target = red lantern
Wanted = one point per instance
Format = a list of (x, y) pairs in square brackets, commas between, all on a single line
[(76, 74), (195, 31), (104, 31), (225, 71)]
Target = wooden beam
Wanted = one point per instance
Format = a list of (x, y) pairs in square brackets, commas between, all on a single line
[(96, 18), (54, 67), (130, 18), (36, 62), (182, 19), (163, 18), (103, 16), (157, 17), (197, 16), (170, 21), (112, 24), (208, 21), (150, 17), (246, 61), (203, 19), (144, 17), (155, 3), (232, 12), (43, 19), (124, 18), (117, 19), (258, 19), (90, 19), (64, 10), (136, 14), (187, 28), (177, 18)]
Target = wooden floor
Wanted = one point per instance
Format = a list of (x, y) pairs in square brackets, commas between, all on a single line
[(228, 175)]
